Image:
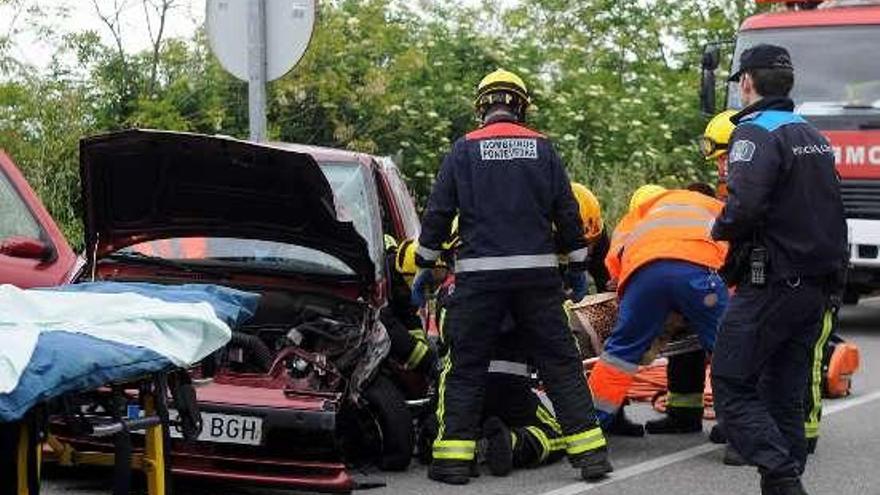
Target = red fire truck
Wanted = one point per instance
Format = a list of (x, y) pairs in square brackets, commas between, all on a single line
[(835, 48)]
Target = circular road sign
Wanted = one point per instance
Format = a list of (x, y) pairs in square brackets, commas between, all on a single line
[(289, 25)]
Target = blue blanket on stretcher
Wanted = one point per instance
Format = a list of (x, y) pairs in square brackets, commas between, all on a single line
[(80, 337)]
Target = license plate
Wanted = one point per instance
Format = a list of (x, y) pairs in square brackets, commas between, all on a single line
[(226, 428)]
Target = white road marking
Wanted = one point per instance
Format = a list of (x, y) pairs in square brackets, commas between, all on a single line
[(683, 455)]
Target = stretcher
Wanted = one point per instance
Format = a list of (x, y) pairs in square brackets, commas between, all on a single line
[(594, 317), (105, 360)]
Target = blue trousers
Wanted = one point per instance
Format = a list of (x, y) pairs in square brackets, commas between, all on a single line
[(650, 295)]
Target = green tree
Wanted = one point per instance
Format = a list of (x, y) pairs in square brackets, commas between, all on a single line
[(614, 84)]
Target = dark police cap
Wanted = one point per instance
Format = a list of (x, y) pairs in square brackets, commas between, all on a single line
[(762, 57)]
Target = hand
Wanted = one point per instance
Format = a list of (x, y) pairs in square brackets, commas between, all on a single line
[(611, 286), (577, 282), (423, 280)]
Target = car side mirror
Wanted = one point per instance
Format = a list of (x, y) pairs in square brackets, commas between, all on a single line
[(27, 248), (711, 57), (711, 60)]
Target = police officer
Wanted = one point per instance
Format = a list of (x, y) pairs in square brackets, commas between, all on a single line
[(784, 212), (510, 189), (714, 144)]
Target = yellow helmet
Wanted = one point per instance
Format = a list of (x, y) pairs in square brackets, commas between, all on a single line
[(505, 87), (591, 211), (716, 137), (405, 260), (644, 194)]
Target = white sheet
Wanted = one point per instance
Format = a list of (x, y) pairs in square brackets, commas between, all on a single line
[(183, 332)]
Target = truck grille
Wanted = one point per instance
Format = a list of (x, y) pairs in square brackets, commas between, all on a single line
[(861, 198)]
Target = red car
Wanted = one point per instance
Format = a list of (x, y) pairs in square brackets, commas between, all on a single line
[(302, 390), (33, 251)]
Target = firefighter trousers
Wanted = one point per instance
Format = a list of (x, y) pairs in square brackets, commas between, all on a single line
[(472, 329), (537, 436), (760, 367), (686, 380)]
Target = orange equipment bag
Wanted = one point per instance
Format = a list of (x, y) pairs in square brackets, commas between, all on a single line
[(840, 363)]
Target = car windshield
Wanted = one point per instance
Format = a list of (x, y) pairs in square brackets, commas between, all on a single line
[(835, 68), (355, 202)]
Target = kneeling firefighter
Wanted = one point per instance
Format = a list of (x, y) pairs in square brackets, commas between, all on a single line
[(409, 342), (594, 233), (663, 260), (510, 189)]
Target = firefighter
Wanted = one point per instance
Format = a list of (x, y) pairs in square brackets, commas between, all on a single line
[(519, 430), (714, 145), (409, 342), (594, 233), (663, 260), (509, 188), (784, 218)]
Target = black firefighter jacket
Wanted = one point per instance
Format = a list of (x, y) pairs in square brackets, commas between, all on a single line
[(515, 206)]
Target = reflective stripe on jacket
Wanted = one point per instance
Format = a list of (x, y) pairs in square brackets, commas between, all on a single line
[(675, 225)]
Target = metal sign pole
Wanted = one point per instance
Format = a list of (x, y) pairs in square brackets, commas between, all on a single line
[(258, 41), (257, 69)]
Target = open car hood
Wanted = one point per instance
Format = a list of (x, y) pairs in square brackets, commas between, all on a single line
[(141, 185)]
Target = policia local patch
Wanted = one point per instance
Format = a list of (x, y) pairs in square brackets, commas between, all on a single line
[(509, 149), (742, 151)]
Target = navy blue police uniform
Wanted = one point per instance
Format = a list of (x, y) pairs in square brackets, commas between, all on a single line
[(784, 197), (515, 206)]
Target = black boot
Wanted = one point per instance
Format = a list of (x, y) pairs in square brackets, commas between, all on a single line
[(594, 464), (782, 486), (811, 445), (677, 420), (716, 435), (622, 426), (733, 458), (450, 472), (499, 447)]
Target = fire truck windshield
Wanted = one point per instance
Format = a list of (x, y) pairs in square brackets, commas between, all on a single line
[(836, 69)]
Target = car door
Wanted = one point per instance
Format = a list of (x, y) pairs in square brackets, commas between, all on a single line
[(33, 251)]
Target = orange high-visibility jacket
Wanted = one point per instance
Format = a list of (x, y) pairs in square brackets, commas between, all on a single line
[(675, 225)]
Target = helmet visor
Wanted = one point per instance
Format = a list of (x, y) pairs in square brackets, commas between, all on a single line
[(710, 148)]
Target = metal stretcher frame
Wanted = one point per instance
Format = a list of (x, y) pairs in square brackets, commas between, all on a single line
[(32, 451)]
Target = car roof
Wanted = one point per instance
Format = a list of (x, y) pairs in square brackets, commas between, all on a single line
[(324, 154)]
